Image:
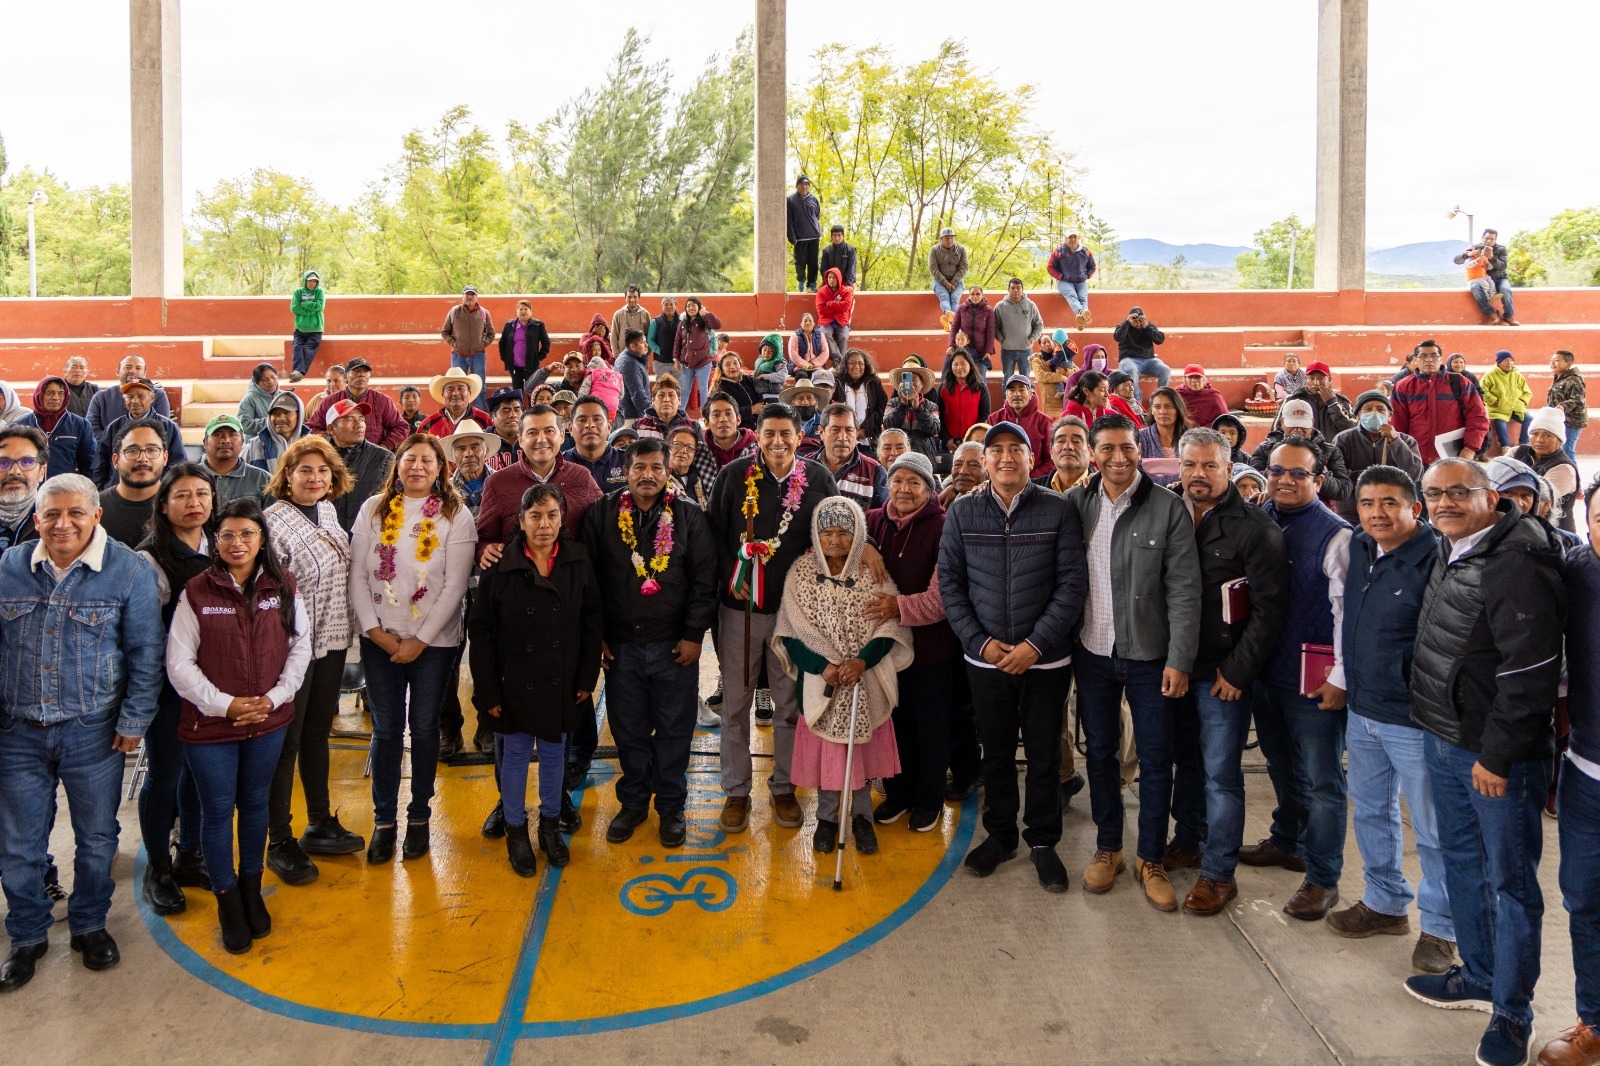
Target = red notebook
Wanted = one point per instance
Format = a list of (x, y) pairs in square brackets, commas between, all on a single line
[(1236, 601), (1316, 663)]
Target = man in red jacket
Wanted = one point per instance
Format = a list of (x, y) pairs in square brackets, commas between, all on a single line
[(1022, 408), (1434, 402)]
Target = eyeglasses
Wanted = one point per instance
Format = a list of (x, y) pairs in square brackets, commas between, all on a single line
[(26, 463), (248, 536), (1457, 493), (1294, 472), (149, 451), (685, 446)]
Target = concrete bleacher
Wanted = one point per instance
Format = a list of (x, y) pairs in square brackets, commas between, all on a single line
[(204, 347)]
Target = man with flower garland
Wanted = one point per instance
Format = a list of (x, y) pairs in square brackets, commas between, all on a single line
[(653, 554), (776, 491)]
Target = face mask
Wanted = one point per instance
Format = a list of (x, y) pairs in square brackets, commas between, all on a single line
[(1372, 421)]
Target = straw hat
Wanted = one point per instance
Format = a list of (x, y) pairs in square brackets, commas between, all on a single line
[(473, 383)]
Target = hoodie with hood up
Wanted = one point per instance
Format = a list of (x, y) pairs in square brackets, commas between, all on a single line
[(307, 304), (599, 331), (1239, 455), (835, 300), (1037, 426), (265, 448)]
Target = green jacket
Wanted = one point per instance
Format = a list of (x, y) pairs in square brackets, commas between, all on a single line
[(307, 304), (1505, 394)]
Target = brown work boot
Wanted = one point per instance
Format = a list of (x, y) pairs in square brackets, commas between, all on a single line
[(1084, 318), (1578, 1046), (1157, 889), (1103, 869), (1432, 954), (1266, 853), (786, 811), (1177, 858), (1361, 921), (735, 814), (1311, 902), (1209, 897)]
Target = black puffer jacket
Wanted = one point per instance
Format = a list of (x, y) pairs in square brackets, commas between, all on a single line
[(1237, 539), (1336, 480), (1488, 659), (1017, 577)]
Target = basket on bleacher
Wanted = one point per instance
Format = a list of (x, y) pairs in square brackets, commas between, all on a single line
[(1261, 401)]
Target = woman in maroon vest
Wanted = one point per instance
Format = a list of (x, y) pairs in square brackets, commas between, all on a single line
[(237, 652)]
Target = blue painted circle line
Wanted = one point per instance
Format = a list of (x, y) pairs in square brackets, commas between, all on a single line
[(696, 885)]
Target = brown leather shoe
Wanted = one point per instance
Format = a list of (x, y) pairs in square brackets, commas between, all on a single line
[(1266, 853), (1578, 1046), (1177, 858), (1209, 897), (735, 814), (1432, 954), (786, 811), (1103, 869), (1157, 889), (1361, 921), (1311, 902)]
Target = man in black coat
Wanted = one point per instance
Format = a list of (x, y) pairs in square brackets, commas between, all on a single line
[(839, 256), (655, 622), (804, 217), (1484, 680), (1236, 541)]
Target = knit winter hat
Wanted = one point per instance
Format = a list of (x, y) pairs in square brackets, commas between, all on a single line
[(1552, 420), (919, 465), (1501, 356), (1370, 395)]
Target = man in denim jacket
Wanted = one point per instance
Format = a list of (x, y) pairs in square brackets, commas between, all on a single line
[(81, 659)]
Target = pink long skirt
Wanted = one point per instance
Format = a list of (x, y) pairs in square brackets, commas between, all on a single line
[(819, 763)]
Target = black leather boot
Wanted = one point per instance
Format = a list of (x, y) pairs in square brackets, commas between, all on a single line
[(255, 908), (235, 929), (519, 850), (189, 869), (381, 849), (161, 889), (551, 842)]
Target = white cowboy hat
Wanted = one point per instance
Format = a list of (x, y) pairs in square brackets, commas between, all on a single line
[(470, 430), (473, 383)]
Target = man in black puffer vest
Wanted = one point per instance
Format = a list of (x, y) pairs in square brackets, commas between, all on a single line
[(1484, 679)]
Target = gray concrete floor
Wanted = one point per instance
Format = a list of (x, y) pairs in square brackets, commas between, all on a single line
[(990, 971)]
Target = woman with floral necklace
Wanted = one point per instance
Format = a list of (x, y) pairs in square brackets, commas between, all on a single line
[(411, 554)]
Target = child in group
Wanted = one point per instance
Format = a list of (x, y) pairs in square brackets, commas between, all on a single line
[(1478, 280), (772, 368), (604, 383), (1291, 379), (964, 344)]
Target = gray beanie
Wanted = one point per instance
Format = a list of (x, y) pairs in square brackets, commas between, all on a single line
[(919, 465)]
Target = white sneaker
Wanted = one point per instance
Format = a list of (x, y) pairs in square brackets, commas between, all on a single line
[(708, 718)]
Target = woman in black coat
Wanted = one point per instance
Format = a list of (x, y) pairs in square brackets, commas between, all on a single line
[(535, 629)]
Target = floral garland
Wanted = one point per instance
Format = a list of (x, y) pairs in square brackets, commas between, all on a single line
[(750, 572), (662, 545), (427, 538)]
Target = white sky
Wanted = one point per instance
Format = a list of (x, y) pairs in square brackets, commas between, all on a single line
[(1195, 121)]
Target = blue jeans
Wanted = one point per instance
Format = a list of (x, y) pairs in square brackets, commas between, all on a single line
[(388, 684), (1503, 287), (949, 299), (234, 776), (1491, 860), (168, 794), (305, 351), (701, 379), (1150, 368), (635, 386), (1102, 682), (1503, 436), (1076, 293), (516, 752), (76, 754), (1304, 748), (1223, 727), (1571, 446), (472, 364), (651, 704), (1014, 361), (1580, 883), (1384, 761)]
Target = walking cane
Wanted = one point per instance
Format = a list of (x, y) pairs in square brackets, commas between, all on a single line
[(844, 794)]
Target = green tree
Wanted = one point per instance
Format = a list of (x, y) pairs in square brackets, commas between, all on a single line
[(256, 235), (83, 237), (1565, 251), (1101, 238), (1266, 266)]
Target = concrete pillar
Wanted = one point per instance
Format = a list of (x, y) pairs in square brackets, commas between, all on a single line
[(157, 193), (1341, 144), (772, 104)]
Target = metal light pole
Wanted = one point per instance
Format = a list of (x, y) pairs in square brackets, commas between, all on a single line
[(1293, 233), (1471, 230), (38, 199)]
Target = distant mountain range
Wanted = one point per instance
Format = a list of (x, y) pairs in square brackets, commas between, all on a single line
[(1426, 258)]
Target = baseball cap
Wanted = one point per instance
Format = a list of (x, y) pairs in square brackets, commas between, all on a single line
[(947, 232), (1016, 379), (1135, 310), (348, 406), (564, 396), (1001, 429), (1508, 473), (470, 289), (803, 178), (1319, 367), (502, 396), (1194, 370), (138, 383), (285, 401), (224, 422), (1297, 415), (357, 364)]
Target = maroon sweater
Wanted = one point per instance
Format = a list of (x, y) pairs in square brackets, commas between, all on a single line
[(910, 553)]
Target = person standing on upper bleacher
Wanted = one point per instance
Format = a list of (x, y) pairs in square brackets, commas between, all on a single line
[(804, 213), (1017, 324), (1072, 265), (307, 302), (468, 330), (525, 343), (1434, 403), (839, 255)]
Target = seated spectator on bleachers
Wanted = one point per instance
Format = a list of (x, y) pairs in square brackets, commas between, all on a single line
[(1092, 398), (1125, 385), (285, 425), (333, 383), (1457, 364), (1050, 367), (384, 426), (567, 374), (411, 408), (604, 383), (80, 389), (72, 443), (836, 302), (235, 478), (1442, 410), (1545, 455), (1022, 408), (1295, 420), (666, 410), (808, 349), (455, 389), (1374, 442), (107, 404), (1506, 395), (1072, 265), (910, 409), (739, 386), (138, 398), (807, 398), (975, 319), (257, 398), (1493, 257), (947, 264), (1514, 480), (1330, 411), (1136, 338), (963, 399), (966, 471), (771, 372), (892, 444), (1200, 398), (860, 388), (1251, 483), (1094, 358), (1233, 431), (1291, 379), (1169, 421)]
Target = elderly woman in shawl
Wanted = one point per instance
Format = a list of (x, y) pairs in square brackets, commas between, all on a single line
[(824, 640), (690, 464)]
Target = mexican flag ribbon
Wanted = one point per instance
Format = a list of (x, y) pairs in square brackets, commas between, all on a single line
[(750, 573)]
